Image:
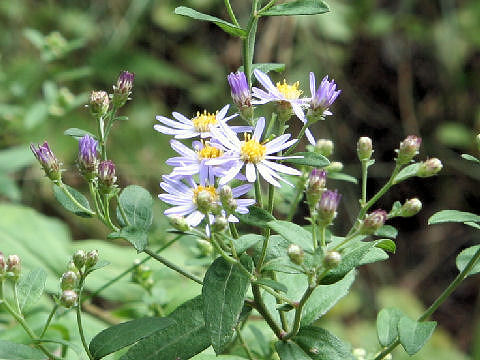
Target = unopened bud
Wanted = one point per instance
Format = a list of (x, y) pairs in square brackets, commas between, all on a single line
[(296, 254), (227, 200), (334, 166), (373, 221), (123, 89), (240, 90), (316, 185), (204, 201), (48, 160), (410, 208), (429, 167), (324, 147), (327, 206), (88, 157), (99, 103), (14, 265), (106, 175), (79, 259), (220, 224), (364, 148), (68, 298), (408, 149), (69, 281), (332, 259), (92, 258), (3, 265), (178, 223), (204, 247)]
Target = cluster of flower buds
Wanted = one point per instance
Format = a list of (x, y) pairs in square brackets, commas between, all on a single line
[(88, 157), (327, 206), (429, 168), (10, 268), (324, 147), (364, 148), (142, 275), (241, 94), (408, 149), (373, 221), (316, 185), (48, 160), (99, 103), (123, 89)]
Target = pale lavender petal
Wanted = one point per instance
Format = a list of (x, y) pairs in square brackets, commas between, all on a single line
[(281, 147), (221, 114), (250, 172), (174, 124), (180, 210), (281, 168), (259, 127), (232, 218), (278, 141), (312, 84), (245, 202), (265, 81), (194, 218), (267, 174), (309, 136), (241, 190), (187, 135), (167, 130), (182, 149), (241, 129), (174, 199), (297, 109), (182, 118), (230, 174)]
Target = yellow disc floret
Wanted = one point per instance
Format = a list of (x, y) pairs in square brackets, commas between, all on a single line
[(202, 121), (209, 189), (291, 92), (252, 151), (209, 152)]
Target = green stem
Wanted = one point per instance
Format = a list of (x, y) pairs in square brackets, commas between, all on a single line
[(50, 317), (299, 137), (250, 37), (122, 211), (258, 191), (446, 293), (262, 310), (298, 196), (101, 135), (243, 342), (93, 194), (15, 298), (106, 201), (79, 317), (364, 182), (233, 230), (271, 123), (231, 13), (61, 185), (271, 196), (172, 266), (229, 259), (298, 312), (283, 317), (266, 7), (277, 295)]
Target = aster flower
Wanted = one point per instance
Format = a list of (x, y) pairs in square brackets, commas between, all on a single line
[(239, 89), (200, 125), (185, 198), (324, 96), (87, 156), (253, 154), (48, 160)]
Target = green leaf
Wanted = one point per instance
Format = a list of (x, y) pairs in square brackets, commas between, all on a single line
[(9, 188), (387, 325), (320, 344), (373, 255), (14, 351), (15, 158), (324, 297), (68, 204), (135, 236), (413, 334), (407, 172), (472, 224), (387, 231), (245, 242), (256, 217), (272, 284), (266, 67), (452, 216), (187, 336), (290, 351), (342, 177), (309, 159), (470, 158), (282, 264), (77, 134), (119, 336), (293, 233), (224, 25), (465, 256), (298, 7), (30, 287), (387, 245), (137, 204), (100, 264), (224, 289)]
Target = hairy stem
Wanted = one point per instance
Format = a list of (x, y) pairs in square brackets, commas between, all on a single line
[(298, 312), (62, 186), (260, 306), (49, 320), (79, 317), (231, 13)]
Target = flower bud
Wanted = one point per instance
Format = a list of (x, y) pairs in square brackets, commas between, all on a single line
[(3, 265), (373, 221), (14, 265), (88, 157), (79, 259), (408, 149), (205, 201), (296, 254), (410, 208), (429, 167), (332, 259), (48, 160), (327, 206), (324, 147), (106, 175), (239, 90), (323, 97), (69, 281), (99, 103), (178, 223), (204, 247), (92, 258), (316, 185), (220, 224), (123, 89), (227, 200), (68, 298), (334, 166), (364, 148)]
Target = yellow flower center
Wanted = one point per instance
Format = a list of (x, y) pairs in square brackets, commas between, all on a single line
[(290, 92), (252, 151), (202, 121), (209, 152), (210, 189)]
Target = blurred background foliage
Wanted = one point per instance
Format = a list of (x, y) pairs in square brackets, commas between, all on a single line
[(405, 67)]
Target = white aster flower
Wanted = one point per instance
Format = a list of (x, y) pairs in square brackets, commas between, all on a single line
[(199, 125), (253, 154), (183, 195)]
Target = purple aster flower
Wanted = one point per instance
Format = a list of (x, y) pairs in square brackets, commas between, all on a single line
[(253, 154), (324, 96), (123, 89), (200, 125), (106, 173), (327, 206), (87, 156), (48, 160), (239, 89)]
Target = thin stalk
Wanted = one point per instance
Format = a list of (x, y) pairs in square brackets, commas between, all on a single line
[(101, 135), (271, 196), (61, 185), (243, 342), (231, 13), (298, 196), (233, 230), (283, 317), (298, 312), (299, 137), (229, 259), (106, 201), (364, 182), (79, 317), (262, 310), (278, 296), (443, 296), (15, 298), (271, 123), (266, 7), (258, 191), (247, 57), (93, 194), (50, 317), (122, 211), (172, 266)]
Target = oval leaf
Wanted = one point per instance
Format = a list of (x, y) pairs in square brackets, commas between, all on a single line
[(293, 233), (445, 216), (256, 217), (320, 344), (470, 158), (298, 7), (464, 258), (135, 236), (413, 334), (387, 245), (77, 134), (290, 351), (387, 325), (14, 351), (245, 242), (266, 67), (137, 204), (30, 288), (272, 284), (309, 159), (68, 204), (223, 292), (407, 172)]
